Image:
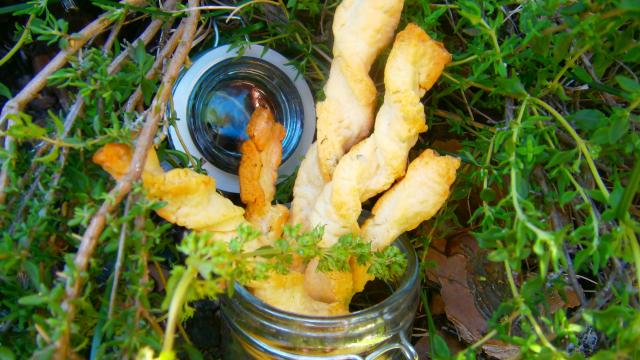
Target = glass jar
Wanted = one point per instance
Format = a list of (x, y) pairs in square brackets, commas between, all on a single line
[(214, 98), (256, 330), (223, 99)]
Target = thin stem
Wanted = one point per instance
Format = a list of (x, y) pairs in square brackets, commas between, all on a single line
[(635, 250), (487, 163), (581, 145), (592, 213), (630, 191), (567, 66), (265, 41), (532, 320), (181, 140), (515, 197), (118, 267), (20, 42), (511, 280), (248, 3), (488, 336), (202, 8), (60, 143), (177, 301), (261, 253), (322, 54), (465, 82), (494, 40), (633, 105), (462, 61), (541, 335)]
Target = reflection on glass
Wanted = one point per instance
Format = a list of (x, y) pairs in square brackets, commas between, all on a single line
[(228, 109), (223, 100)]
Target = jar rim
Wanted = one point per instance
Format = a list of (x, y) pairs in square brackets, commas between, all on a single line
[(285, 103), (182, 89), (405, 287)]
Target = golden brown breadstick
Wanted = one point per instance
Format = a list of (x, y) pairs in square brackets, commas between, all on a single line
[(361, 28), (309, 184), (287, 292), (370, 167), (191, 199), (414, 199), (258, 172)]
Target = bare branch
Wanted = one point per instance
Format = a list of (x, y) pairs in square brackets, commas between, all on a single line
[(78, 107), (124, 185), (147, 35), (168, 49), (113, 36), (118, 267), (29, 92)]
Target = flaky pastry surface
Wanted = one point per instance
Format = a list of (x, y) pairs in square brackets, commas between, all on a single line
[(258, 173), (287, 292), (415, 198), (191, 198), (361, 28), (375, 163)]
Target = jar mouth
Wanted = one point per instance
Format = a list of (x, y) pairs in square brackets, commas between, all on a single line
[(300, 113), (405, 285), (225, 96)]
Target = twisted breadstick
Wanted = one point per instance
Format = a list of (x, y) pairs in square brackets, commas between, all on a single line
[(307, 188), (258, 172), (361, 28), (414, 199), (415, 63), (191, 199)]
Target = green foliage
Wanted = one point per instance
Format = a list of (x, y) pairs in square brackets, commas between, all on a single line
[(215, 265), (284, 189), (542, 97)]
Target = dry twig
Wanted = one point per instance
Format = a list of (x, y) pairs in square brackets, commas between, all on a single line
[(124, 185), (29, 92), (113, 36), (78, 108), (168, 49)]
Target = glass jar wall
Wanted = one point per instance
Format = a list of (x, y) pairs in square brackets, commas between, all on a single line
[(259, 331)]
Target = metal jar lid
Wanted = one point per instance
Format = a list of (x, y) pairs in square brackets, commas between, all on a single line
[(214, 98)]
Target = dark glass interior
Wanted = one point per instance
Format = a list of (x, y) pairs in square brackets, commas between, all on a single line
[(375, 291), (223, 100)]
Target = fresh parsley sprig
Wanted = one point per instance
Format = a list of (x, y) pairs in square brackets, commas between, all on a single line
[(214, 265)]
